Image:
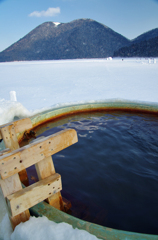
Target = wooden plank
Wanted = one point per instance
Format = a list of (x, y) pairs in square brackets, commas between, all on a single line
[(22, 217), (24, 177), (11, 141), (45, 168), (56, 201), (37, 139), (28, 155), (20, 125), (5, 151), (9, 137), (30, 196), (9, 186), (12, 184)]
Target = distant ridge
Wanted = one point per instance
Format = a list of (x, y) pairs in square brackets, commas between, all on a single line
[(146, 36), (145, 45), (141, 49), (82, 38)]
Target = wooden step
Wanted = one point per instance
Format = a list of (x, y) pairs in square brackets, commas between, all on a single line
[(26, 198), (26, 156)]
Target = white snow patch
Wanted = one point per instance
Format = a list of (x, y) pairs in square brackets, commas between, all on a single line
[(5, 228), (152, 60), (11, 109), (56, 23), (41, 228)]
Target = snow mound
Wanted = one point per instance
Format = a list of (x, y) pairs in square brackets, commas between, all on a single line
[(11, 109), (5, 228), (41, 228)]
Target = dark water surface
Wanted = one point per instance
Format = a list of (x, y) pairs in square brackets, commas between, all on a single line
[(111, 174)]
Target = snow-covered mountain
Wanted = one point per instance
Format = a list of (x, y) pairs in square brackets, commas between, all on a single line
[(82, 38)]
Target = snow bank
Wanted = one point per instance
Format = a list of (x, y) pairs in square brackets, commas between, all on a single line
[(5, 229), (41, 228), (11, 109), (109, 58)]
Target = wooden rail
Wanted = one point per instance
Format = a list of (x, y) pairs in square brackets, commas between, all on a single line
[(28, 197), (14, 160)]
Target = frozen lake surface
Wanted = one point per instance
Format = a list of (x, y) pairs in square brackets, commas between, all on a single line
[(45, 84)]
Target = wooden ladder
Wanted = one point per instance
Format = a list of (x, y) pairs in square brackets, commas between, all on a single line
[(15, 160)]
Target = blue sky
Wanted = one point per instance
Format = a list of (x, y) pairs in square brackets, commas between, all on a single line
[(127, 17)]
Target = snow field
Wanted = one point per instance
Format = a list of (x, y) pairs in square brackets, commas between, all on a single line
[(45, 84)]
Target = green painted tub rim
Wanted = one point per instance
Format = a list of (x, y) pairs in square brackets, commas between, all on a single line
[(115, 105), (101, 232), (44, 209)]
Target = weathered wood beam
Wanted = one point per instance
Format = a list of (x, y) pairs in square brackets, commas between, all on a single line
[(12, 184), (5, 151), (26, 156), (9, 137), (20, 125), (11, 141), (24, 199), (45, 168)]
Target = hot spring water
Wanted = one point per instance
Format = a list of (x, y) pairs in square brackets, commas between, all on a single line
[(111, 174)]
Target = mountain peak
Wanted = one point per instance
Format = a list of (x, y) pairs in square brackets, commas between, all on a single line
[(81, 38)]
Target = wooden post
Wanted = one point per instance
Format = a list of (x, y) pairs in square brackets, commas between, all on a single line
[(45, 168), (12, 184), (8, 134)]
